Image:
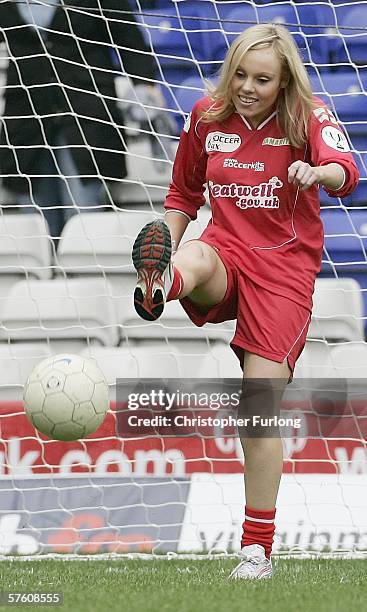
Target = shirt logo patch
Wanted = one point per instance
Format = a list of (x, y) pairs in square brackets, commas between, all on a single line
[(255, 196), (230, 162), (323, 114), (335, 139), (224, 143), (276, 142)]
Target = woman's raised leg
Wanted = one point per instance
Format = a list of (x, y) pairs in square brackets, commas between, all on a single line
[(195, 270)]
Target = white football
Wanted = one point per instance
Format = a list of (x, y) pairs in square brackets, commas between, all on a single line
[(66, 397)]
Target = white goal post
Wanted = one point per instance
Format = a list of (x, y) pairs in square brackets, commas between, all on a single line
[(71, 292)]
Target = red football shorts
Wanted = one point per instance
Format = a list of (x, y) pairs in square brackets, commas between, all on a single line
[(268, 325)]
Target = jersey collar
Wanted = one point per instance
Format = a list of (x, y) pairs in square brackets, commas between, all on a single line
[(261, 125)]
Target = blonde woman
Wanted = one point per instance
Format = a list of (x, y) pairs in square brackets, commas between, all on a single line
[(263, 145)]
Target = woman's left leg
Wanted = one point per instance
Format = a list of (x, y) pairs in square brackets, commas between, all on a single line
[(263, 468)]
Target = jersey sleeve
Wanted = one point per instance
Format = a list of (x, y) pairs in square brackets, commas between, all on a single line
[(328, 144), (186, 191)]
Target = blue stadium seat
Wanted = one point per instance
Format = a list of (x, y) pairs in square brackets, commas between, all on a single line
[(334, 19), (176, 39), (359, 195), (299, 21), (345, 239), (345, 94), (191, 90), (327, 20), (225, 24), (345, 250), (235, 17), (182, 96), (353, 45)]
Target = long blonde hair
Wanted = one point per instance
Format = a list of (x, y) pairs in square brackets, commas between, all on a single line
[(295, 100)]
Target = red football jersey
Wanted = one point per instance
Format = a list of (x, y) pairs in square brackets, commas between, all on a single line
[(272, 229)]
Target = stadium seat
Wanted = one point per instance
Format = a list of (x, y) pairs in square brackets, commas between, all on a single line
[(350, 360), (359, 196), (176, 39), (345, 45), (148, 360), (235, 17), (25, 249), (177, 359), (181, 45), (174, 32), (190, 91), (345, 241), (220, 361), (337, 313), (220, 34), (173, 324), (345, 248), (16, 363), (352, 45), (101, 242), (145, 185), (69, 313), (345, 95), (298, 20), (99, 245), (328, 20), (315, 361)]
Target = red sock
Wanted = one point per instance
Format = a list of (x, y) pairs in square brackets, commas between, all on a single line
[(177, 285), (258, 528)]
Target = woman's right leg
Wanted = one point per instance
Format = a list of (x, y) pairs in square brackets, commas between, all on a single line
[(201, 273)]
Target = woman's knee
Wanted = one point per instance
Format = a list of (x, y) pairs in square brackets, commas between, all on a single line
[(198, 256)]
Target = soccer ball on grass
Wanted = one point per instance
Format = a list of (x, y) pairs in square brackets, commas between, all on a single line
[(66, 397)]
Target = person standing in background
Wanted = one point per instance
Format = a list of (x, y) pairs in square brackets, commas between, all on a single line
[(62, 131)]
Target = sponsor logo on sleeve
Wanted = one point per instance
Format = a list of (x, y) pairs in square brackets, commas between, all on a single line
[(249, 196), (222, 142), (323, 114), (187, 124), (335, 139), (276, 142), (230, 162)]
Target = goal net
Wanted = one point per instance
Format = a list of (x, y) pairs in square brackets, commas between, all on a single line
[(91, 114)]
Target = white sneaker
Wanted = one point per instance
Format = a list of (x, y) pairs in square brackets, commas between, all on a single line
[(254, 564)]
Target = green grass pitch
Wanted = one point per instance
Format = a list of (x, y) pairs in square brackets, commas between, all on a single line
[(184, 585)]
